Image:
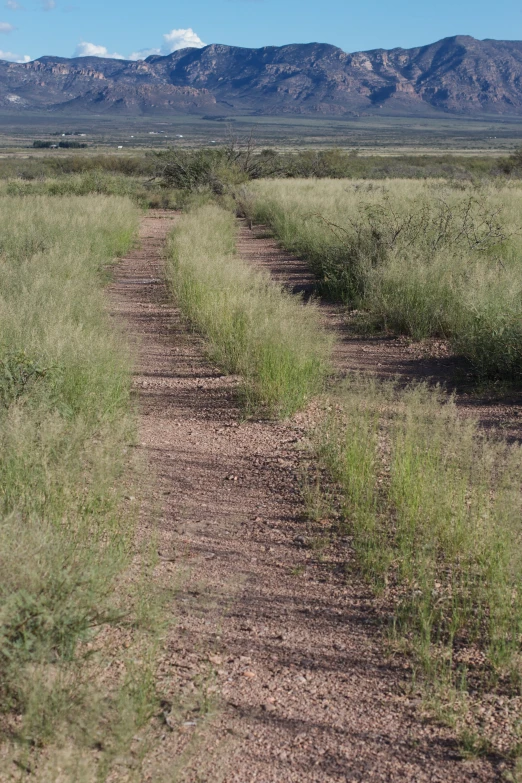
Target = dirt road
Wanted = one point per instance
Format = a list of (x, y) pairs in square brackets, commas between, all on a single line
[(273, 670)]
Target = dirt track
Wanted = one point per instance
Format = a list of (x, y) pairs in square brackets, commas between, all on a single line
[(273, 670)]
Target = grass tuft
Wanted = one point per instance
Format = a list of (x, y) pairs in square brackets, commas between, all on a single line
[(434, 508)]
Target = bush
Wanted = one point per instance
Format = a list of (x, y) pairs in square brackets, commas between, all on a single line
[(72, 145)]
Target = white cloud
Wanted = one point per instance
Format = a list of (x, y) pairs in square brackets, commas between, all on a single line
[(86, 49), (13, 5), (5, 28), (49, 5), (14, 58), (172, 42), (181, 39)]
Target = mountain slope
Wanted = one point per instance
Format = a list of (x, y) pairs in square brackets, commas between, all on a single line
[(458, 74)]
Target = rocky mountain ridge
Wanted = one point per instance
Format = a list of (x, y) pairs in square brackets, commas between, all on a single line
[(459, 75)]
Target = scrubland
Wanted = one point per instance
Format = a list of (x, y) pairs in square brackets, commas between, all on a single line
[(426, 258), (65, 421), (166, 178)]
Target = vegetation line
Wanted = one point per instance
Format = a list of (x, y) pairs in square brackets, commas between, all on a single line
[(64, 422), (253, 327)]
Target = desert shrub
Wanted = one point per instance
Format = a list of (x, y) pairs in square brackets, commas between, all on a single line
[(512, 165), (72, 145), (217, 169), (214, 169), (253, 327), (199, 170)]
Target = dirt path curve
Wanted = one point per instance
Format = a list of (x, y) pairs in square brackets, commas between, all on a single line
[(273, 671), (385, 357)]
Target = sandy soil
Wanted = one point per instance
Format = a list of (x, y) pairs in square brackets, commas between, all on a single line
[(384, 356), (273, 669)]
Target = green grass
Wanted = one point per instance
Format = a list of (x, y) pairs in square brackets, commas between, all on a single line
[(427, 258), (252, 326), (95, 182), (65, 420), (434, 510)]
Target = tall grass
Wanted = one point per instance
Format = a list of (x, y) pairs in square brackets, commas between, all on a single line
[(37, 167), (434, 509), (428, 258), (253, 327), (95, 181), (64, 421)]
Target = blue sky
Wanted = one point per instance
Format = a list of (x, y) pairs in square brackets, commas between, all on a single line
[(125, 28)]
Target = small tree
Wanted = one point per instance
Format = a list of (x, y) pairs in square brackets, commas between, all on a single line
[(216, 168)]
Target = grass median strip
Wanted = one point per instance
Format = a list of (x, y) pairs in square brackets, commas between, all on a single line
[(253, 327)]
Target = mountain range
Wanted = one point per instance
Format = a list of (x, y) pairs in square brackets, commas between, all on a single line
[(460, 75)]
